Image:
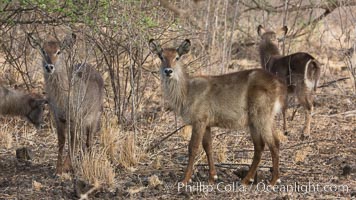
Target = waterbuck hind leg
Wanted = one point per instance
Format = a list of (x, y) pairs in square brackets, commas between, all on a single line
[(305, 98), (195, 141), (207, 145), (274, 149), (306, 129), (284, 121), (259, 145)]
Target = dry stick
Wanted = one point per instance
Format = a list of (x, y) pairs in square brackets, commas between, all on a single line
[(165, 138), (334, 81), (309, 142)]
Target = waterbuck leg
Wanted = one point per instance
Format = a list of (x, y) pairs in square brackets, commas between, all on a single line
[(207, 144), (61, 142), (284, 122), (195, 141), (308, 106), (274, 148), (259, 145)]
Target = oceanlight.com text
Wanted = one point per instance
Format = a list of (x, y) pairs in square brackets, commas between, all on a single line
[(304, 188)]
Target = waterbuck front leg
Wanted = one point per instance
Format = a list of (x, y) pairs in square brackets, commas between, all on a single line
[(198, 132), (60, 126), (207, 144)]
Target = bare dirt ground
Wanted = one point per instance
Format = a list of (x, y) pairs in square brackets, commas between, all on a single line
[(320, 167)]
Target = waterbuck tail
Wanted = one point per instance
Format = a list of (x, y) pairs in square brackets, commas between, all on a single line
[(312, 74)]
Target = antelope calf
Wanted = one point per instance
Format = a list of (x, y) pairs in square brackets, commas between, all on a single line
[(17, 103), (247, 98), (301, 71), (75, 94)]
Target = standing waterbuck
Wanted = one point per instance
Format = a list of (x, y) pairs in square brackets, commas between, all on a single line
[(17, 103), (247, 98), (301, 71), (75, 95)]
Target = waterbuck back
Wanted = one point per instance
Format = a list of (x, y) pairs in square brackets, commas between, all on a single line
[(301, 71), (248, 98), (75, 94), (16, 103)]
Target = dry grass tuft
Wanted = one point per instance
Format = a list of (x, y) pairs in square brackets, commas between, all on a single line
[(95, 167), (156, 164), (301, 154), (153, 181), (135, 189), (5, 138), (127, 155), (36, 185), (186, 132), (221, 153), (110, 141)]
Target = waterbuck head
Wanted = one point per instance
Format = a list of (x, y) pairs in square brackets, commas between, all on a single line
[(51, 50), (171, 66), (35, 111), (272, 36)]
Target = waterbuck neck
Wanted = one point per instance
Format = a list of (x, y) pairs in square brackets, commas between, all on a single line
[(267, 49), (175, 89)]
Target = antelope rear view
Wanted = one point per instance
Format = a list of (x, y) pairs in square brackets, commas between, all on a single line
[(301, 71), (237, 100)]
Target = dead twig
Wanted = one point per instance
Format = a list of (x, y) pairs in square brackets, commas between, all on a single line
[(332, 82), (165, 138), (309, 142)]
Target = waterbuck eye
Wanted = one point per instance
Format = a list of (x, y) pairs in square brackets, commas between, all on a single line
[(58, 52), (177, 58)]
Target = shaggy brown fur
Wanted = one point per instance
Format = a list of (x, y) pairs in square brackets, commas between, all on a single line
[(247, 98), (17, 103), (301, 71), (76, 106)]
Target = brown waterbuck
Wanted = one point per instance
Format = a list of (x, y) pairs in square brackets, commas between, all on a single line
[(75, 94), (16, 103), (301, 71), (248, 98)]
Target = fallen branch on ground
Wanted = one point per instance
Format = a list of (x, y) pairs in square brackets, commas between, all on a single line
[(165, 138)]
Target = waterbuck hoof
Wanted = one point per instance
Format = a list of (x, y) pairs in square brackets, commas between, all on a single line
[(185, 182), (285, 133), (247, 181), (275, 182), (212, 179)]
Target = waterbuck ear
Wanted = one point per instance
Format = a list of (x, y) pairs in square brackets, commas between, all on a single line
[(155, 47), (260, 30), (184, 47), (69, 41)]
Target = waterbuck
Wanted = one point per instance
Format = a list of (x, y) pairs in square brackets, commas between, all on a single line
[(247, 98), (301, 71), (75, 95), (16, 103)]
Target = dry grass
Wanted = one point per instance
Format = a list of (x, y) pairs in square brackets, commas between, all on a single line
[(301, 154), (109, 139), (127, 156), (95, 167), (5, 137), (154, 181)]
